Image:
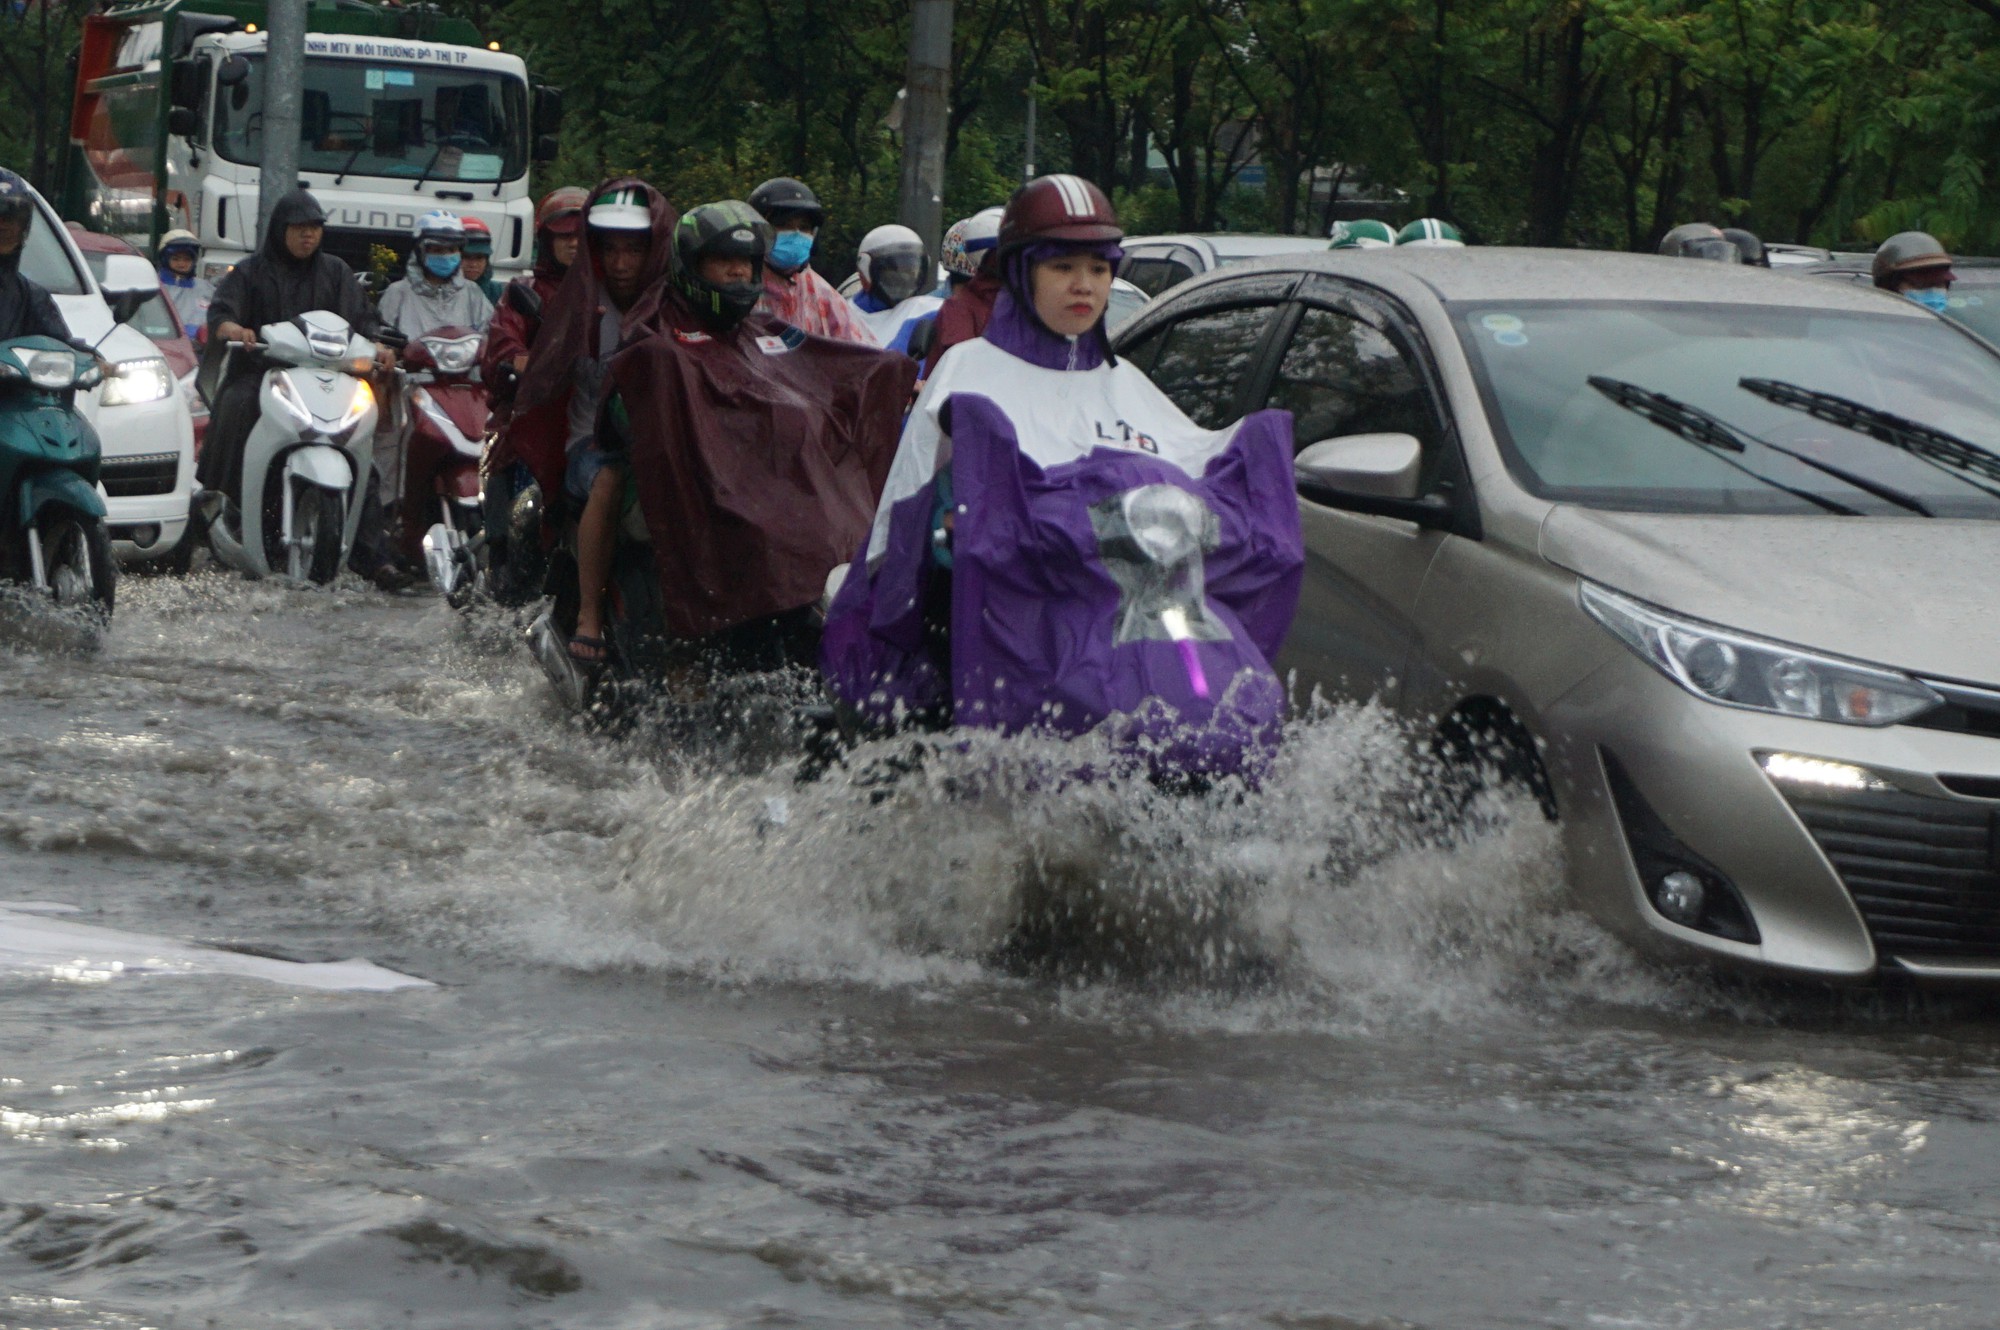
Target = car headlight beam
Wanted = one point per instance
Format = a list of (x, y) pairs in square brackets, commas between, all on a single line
[(136, 381), (1737, 670)]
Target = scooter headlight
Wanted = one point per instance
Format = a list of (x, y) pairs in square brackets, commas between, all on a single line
[(453, 355), (135, 381), (1166, 522), (52, 370)]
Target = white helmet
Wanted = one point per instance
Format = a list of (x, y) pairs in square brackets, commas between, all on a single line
[(179, 237), (620, 210), (969, 241), (893, 264), (440, 227)]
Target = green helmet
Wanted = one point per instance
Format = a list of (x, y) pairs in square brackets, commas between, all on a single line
[(1366, 233), (729, 228), (1430, 233)]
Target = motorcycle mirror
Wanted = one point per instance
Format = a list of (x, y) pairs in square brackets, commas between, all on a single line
[(521, 298)]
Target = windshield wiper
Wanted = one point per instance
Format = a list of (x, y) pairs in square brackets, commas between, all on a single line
[(1960, 460), (348, 165), (424, 178), (1706, 431)]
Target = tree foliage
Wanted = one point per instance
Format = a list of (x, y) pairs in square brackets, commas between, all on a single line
[(1551, 122)]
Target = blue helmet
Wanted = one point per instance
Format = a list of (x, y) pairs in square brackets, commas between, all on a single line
[(17, 200)]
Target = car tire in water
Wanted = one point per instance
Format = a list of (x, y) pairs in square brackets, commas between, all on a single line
[(1484, 746), (76, 557)]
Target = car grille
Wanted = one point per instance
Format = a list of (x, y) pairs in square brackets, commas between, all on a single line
[(1921, 870), (152, 473)]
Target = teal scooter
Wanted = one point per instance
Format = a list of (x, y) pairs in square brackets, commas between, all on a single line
[(52, 533)]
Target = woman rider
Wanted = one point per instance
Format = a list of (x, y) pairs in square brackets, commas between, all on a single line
[(1002, 584)]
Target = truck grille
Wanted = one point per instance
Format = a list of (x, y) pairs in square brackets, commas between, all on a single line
[(150, 473), (1922, 871)]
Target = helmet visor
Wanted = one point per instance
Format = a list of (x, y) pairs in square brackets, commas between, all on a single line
[(897, 276)]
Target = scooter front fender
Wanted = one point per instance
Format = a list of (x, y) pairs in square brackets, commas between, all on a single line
[(43, 488), (320, 464)]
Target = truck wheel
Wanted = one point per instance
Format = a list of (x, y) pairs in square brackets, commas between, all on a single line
[(76, 555)]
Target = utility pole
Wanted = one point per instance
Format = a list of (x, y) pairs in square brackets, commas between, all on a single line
[(1028, 147), (926, 117), (284, 78)]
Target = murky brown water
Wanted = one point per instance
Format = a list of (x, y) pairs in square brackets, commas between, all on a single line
[(709, 1050)]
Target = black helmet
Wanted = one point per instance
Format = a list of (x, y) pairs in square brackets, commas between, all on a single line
[(779, 198), (730, 229), (17, 200), (1748, 245), (1699, 240), (1904, 253)]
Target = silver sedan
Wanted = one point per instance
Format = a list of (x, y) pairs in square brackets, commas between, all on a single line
[(1707, 553)]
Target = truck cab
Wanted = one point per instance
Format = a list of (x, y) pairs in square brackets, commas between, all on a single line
[(404, 111)]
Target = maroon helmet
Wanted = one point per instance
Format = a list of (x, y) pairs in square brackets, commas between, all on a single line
[(1058, 208)]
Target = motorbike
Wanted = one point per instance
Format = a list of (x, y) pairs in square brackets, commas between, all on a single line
[(52, 524), (439, 512), (313, 440)]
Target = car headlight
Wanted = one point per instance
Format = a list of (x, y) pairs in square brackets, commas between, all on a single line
[(135, 381), (1738, 670)]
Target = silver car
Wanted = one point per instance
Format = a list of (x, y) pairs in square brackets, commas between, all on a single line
[(1708, 553)]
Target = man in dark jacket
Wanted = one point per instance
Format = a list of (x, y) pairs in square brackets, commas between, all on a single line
[(288, 277), (26, 310)]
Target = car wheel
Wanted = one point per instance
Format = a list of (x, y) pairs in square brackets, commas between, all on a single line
[(1483, 746)]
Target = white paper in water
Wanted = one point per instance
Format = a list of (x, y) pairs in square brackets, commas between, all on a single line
[(35, 936)]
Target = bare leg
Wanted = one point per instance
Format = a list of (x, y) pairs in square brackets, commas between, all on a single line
[(596, 532)]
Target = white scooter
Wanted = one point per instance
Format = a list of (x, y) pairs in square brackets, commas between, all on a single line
[(315, 434)]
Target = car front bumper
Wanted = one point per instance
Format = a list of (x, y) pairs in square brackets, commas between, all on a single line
[(1841, 883)]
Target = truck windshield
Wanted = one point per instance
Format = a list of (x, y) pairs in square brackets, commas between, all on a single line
[(386, 119)]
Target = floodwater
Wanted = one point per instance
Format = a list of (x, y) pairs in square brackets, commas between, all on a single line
[(702, 1049)]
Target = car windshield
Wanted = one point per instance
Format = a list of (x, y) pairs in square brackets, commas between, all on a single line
[(45, 260), (385, 119), (1977, 306), (1565, 440)]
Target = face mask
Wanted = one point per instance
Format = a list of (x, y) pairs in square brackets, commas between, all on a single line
[(1933, 298), (441, 265), (791, 250)]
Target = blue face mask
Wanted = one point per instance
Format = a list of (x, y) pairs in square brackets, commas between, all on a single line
[(1933, 298), (441, 265), (791, 250)]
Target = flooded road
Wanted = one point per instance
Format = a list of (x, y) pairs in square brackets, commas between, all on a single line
[(707, 1050)]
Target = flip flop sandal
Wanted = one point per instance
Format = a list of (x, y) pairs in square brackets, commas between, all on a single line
[(591, 644)]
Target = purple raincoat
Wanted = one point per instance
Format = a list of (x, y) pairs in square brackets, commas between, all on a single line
[(1060, 620)]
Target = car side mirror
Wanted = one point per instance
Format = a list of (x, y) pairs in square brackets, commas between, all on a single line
[(125, 304), (232, 71), (547, 148), (1377, 474), (129, 282), (1378, 466)]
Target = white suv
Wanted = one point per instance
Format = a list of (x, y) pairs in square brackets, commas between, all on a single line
[(141, 412)]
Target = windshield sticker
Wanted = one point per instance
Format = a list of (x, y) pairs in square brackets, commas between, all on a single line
[(1511, 337), (1500, 323), (371, 79), (1965, 302), (479, 166)]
